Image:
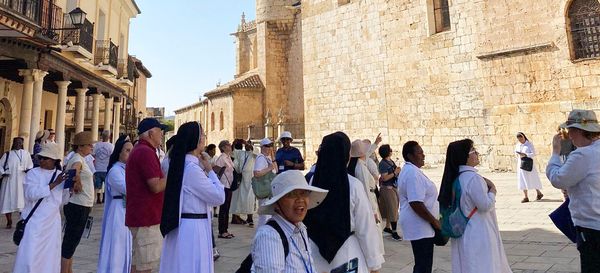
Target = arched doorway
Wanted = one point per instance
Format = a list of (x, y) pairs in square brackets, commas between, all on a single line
[(5, 124)]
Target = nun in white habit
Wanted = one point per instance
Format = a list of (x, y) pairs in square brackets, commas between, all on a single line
[(342, 230), (192, 190), (528, 180), (13, 165), (39, 249), (116, 241)]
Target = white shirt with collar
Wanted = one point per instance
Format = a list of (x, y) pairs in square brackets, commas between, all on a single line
[(580, 176), (268, 255), (415, 186)]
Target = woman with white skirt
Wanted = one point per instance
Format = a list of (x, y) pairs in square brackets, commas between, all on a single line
[(528, 180), (192, 190), (116, 241), (39, 249)]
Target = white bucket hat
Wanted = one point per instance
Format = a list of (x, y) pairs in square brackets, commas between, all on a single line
[(285, 183), (265, 141), (582, 119), (50, 150), (285, 134)]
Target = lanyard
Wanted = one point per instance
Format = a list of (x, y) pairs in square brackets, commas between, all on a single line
[(302, 256), (20, 156)]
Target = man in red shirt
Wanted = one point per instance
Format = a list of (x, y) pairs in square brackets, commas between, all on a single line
[(145, 185)]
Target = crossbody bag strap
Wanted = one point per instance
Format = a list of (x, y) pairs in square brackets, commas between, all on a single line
[(245, 160), (37, 204)]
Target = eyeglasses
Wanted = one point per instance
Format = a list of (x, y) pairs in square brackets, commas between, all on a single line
[(473, 151), (297, 194), (268, 145)]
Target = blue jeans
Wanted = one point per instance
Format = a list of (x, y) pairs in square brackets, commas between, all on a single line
[(99, 178)]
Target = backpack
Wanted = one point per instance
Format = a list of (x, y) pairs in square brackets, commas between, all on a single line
[(247, 263), (453, 220)]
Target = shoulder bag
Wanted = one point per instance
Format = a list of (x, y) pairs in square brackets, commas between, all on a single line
[(237, 176), (527, 164), (453, 220), (261, 186), (20, 227)]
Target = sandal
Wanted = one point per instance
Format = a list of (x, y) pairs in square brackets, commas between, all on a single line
[(525, 200), (539, 196), (225, 236)]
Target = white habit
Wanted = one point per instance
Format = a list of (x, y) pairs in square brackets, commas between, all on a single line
[(480, 248), (11, 191), (527, 180), (369, 184), (39, 250), (116, 240), (243, 200), (366, 244), (188, 248)]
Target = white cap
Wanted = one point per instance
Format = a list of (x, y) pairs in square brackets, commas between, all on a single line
[(285, 134), (265, 141), (286, 182)]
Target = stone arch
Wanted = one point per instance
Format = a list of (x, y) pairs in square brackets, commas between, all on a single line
[(7, 119), (582, 23), (221, 121)]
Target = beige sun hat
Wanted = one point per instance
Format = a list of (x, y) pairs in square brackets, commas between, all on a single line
[(286, 182), (357, 149), (42, 135), (83, 138), (50, 150), (582, 119)]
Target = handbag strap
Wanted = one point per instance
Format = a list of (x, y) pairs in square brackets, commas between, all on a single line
[(457, 201), (245, 160), (37, 204)]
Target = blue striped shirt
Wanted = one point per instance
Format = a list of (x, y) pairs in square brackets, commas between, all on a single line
[(267, 249)]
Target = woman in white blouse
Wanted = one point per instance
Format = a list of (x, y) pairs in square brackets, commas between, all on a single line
[(292, 198), (480, 248), (192, 189), (342, 230), (580, 177), (418, 207), (116, 240), (38, 251)]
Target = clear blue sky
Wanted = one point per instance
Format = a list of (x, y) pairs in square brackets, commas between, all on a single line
[(186, 46)]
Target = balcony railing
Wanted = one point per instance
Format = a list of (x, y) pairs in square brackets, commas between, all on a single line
[(43, 13), (106, 53), (125, 68), (82, 36)]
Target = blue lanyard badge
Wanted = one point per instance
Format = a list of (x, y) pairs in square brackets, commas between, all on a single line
[(306, 264)]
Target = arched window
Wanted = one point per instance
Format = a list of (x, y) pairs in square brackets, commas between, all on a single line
[(221, 121), (212, 121), (584, 22)]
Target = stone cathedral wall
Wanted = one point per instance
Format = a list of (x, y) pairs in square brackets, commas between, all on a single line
[(373, 66)]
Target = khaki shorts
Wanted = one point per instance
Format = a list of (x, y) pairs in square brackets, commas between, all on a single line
[(147, 246)]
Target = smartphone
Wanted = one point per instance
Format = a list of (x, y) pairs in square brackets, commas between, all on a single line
[(349, 267), (70, 176)]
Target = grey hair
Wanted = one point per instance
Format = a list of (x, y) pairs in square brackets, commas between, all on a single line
[(105, 134)]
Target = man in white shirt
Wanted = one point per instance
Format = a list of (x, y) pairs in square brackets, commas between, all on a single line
[(102, 152)]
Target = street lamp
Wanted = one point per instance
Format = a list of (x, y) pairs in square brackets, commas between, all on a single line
[(128, 106), (139, 115), (77, 17)]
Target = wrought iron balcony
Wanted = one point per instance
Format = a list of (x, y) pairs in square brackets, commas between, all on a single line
[(43, 13), (82, 36), (106, 53), (125, 69)]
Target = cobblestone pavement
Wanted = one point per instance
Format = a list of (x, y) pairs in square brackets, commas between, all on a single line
[(531, 241)]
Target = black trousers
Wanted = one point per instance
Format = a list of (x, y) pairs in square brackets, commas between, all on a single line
[(423, 252), (224, 212), (75, 219), (588, 244)]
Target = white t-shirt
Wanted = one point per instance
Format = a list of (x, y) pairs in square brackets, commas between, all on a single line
[(413, 186), (102, 152), (262, 162)]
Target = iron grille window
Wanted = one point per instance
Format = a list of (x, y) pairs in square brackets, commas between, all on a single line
[(584, 16), (441, 14)]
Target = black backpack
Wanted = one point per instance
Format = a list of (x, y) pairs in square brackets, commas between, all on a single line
[(247, 263)]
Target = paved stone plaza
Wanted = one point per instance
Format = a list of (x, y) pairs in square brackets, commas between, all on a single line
[(531, 241)]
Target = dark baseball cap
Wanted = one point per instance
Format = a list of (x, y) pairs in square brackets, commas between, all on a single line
[(149, 123)]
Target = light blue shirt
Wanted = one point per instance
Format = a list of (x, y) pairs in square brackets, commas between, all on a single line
[(268, 255), (580, 176)]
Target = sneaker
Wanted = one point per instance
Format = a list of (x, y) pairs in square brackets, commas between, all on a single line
[(388, 230), (216, 254), (250, 224), (396, 237)]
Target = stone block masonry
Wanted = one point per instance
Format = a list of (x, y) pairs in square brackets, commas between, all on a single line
[(373, 66)]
